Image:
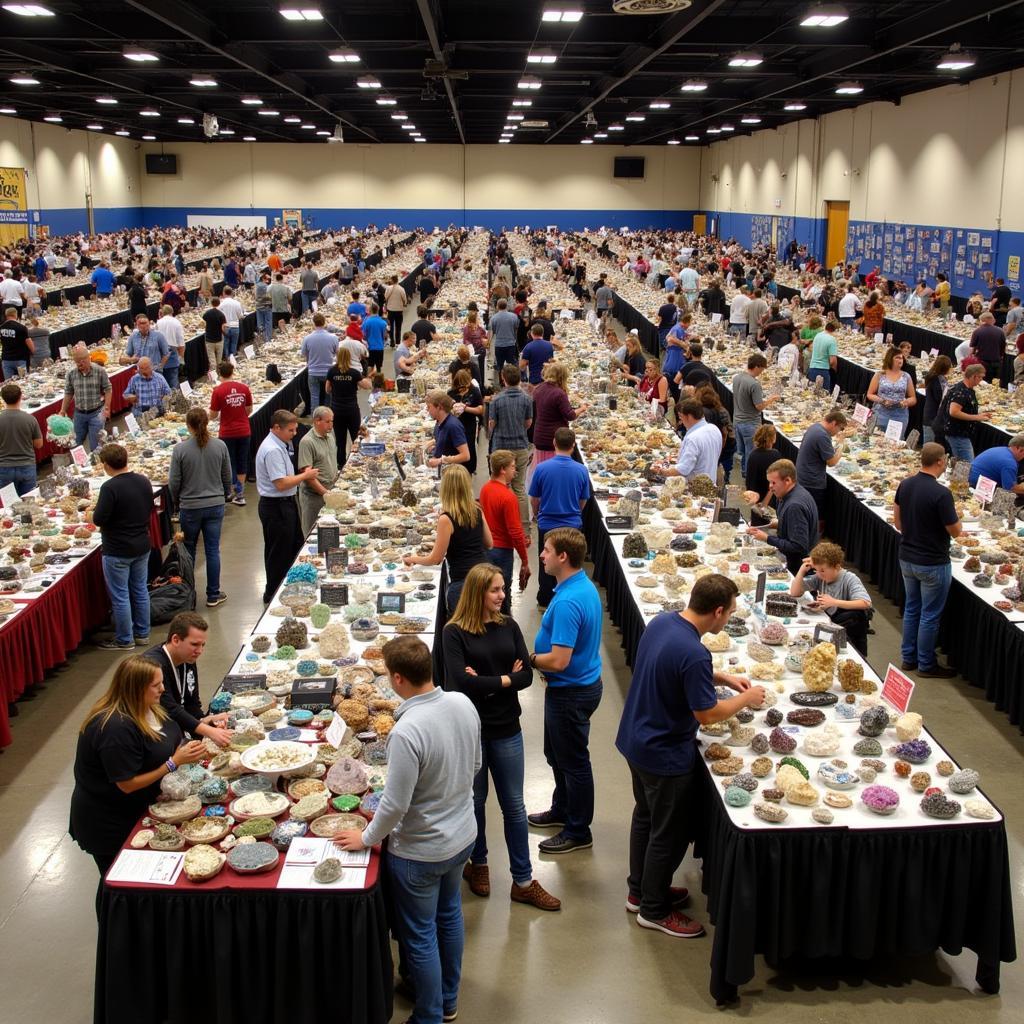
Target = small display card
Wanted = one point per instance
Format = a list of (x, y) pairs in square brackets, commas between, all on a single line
[(897, 689)]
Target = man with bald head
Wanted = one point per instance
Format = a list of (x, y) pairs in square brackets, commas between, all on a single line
[(89, 386), (146, 390)]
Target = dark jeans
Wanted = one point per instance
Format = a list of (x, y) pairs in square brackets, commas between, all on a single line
[(855, 622), (209, 522), (504, 559), (663, 812), (503, 355), (282, 538), (23, 478), (504, 760), (347, 419), (395, 318), (825, 375), (567, 713), (238, 453)]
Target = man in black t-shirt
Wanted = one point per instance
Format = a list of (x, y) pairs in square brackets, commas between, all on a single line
[(542, 319), (1000, 302), (422, 327), (215, 322), (16, 347)]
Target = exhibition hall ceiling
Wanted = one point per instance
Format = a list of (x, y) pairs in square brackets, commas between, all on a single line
[(468, 71)]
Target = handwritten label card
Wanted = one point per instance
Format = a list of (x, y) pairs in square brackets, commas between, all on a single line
[(894, 430), (897, 689), (861, 414)]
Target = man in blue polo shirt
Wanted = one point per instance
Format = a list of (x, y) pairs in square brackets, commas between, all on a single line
[(1001, 464), (558, 491), (567, 652), (375, 330), (672, 693), (450, 444), (504, 329), (319, 349), (103, 281), (357, 307)]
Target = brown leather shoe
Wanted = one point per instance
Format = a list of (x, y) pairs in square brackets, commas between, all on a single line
[(536, 896), (479, 879)]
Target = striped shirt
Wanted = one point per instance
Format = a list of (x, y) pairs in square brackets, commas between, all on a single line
[(151, 391), (508, 413)]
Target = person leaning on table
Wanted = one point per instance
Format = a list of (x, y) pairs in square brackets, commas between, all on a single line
[(1001, 464), (126, 745)]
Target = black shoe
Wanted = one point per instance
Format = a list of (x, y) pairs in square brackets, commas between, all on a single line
[(113, 644), (545, 819), (939, 672), (564, 844), (908, 666)]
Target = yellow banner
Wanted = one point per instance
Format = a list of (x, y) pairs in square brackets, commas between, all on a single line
[(13, 205)]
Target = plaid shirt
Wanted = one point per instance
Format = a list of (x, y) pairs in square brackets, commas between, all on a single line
[(151, 393), (509, 410), (87, 389)]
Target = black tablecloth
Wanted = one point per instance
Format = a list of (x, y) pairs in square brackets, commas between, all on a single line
[(168, 956), (289, 397)]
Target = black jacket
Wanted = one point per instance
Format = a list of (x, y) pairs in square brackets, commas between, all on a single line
[(184, 708)]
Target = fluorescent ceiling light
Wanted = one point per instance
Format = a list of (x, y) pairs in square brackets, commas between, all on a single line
[(123, 132), (694, 85), (344, 57), (419, 138), (226, 131), (368, 82), (29, 10), (308, 127), (186, 120), (94, 127), (149, 112), (248, 138), (7, 110), (824, 16), (107, 101), (956, 59), (600, 135), (636, 118), (269, 113), (728, 128), (503, 140), (616, 128), (252, 101), (746, 60), (849, 88), (54, 118), (139, 55), (529, 82), (692, 138), (672, 142), (301, 14), (713, 131), (750, 119), (408, 127), (586, 142), (203, 82), (386, 101), (24, 80), (399, 117), (522, 103), (795, 105), (149, 138), (660, 105), (293, 120), (514, 117), (566, 15), (541, 57), (322, 132)]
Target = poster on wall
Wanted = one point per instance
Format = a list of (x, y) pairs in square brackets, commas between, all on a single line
[(1013, 268), (13, 205)]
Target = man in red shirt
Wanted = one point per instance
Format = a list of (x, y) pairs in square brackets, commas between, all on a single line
[(501, 511), (232, 402)]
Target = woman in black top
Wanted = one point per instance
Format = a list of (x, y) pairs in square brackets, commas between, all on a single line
[(466, 393), (763, 455), (487, 659), (126, 745), (635, 364), (936, 380), (342, 384), (462, 535)]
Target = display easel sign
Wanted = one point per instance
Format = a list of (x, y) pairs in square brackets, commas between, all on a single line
[(984, 489), (716, 318), (8, 495), (250, 352), (897, 689), (894, 430), (835, 393), (80, 457), (861, 414), (132, 424), (186, 388)]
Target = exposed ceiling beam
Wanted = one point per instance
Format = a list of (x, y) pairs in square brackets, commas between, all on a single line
[(435, 44)]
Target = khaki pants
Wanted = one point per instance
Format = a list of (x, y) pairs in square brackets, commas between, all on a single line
[(523, 457), (213, 352), (309, 509)]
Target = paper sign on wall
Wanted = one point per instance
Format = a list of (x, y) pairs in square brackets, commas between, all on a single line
[(897, 689), (894, 430)]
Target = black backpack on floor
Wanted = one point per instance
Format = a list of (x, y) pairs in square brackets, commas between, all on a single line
[(174, 590)]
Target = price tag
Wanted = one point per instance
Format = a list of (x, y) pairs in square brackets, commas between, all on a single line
[(894, 430), (8, 495), (896, 690), (835, 393), (63, 351), (861, 414), (115, 431), (984, 489), (132, 424), (186, 388), (250, 352), (879, 338), (80, 457), (716, 318)]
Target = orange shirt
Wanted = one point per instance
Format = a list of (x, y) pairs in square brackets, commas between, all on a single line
[(274, 262), (501, 510)]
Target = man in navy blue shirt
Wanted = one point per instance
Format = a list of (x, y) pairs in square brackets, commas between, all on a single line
[(504, 331), (357, 307), (536, 353), (672, 693), (558, 491), (450, 444)]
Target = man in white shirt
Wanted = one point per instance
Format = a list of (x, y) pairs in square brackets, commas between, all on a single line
[(689, 281), (849, 306), (12, 293), (233, 313), (174, 334), (701, 448), (738, 312)]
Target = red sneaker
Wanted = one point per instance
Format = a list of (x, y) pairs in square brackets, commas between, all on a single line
[(679, 897), (679, 926)]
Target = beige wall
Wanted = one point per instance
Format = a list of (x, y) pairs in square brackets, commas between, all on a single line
[(951, 156)]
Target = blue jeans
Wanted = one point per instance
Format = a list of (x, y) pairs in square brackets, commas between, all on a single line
[(308, 298), (11, 367), (88, 424), (23, 478), (127, 582), (826, 377), (316, 390), (170, 374), (567, 711), (265, 324), (428, 905), (238, 453), (452, 594), (209, 521), (961, 447), (738, 329), (927, 587), (504, 760), (230, 341), (504, 559), (744, 443), (886, 416), (848, 321), (928, 434)]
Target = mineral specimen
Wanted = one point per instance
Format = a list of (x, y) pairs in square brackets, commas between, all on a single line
[(822, 815), (914, 751), (920, 781), (819, 667), (772, 795), (978, 809), (327, 871), (938, 805), (880, 799), (737, 797), (635, 546), (873, 722), (745, 780), (346, 776), (292, 633), (759, 744), (902, 769), (837, 800), (774, 716), (770, 813), (823, 742), (803, 794), (202, 862), (759, 652), (781, 741), (727, 766), (806, 717), (248, 858), (795, 762), (964, 781), (868, 747), (851, 675), (716, 752), (761, 767), (908, 726), (812, 699), (774, 633), (836, 778), (945, 768)]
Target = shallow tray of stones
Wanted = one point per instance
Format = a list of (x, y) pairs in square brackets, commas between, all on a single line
[(327, 826), (252, 858)]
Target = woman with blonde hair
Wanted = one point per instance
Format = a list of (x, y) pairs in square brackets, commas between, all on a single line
[(551, 410), (487, 659), (635, 362), (461, 533), (126, 745), (200, 484)]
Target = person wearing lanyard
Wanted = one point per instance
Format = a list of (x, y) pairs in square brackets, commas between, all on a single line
[(145, 341), (277, 484), (177, 657)]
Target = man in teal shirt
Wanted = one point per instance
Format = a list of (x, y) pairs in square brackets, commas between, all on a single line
[(567, 652), (824, 353)]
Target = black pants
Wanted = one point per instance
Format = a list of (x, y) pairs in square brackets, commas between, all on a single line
[(276, 318), (855, 622), (376, 360), (993, 370), (282, 538), (663, 809), (103, 862), (347, 419), (395, 318)]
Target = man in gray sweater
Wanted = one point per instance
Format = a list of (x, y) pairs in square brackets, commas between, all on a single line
[(427, 808)]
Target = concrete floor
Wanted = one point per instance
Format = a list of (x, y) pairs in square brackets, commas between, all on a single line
[(589, 963)]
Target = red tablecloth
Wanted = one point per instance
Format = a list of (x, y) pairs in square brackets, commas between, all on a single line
[(119, 377), (52, 626)]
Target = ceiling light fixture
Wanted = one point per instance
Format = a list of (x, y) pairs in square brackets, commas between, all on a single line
[(694, 85), (293, 120), (53, 118), (7, 110), (269, 113), (795, 105), (252, 101), (635, 118), (186, 120), (24, 79), (692, 138), (586, 142), (226, 131), (849, 88), (139, 54), (309, 127), (522, 103), (529, 82), (565, 15), (503, 141), (616, 127), (600, 135), (713, 131), (672, 142), (368, 82), (541, 57), (956, 59), (29, 10), (123, 132), (94, 127), (514, 117), (149, 112), (824, 16), (107, 101), (324, 133), (149, 138), (408, 127), (344, 57), (248, 138), (399, 117), (728, 128), (659, 105), (419, 138), (750, 119), (386, 101), (746, 60), (203, 82), (301, 14)]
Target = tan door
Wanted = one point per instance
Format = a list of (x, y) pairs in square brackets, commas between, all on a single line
[(837, 215), (700, 224)]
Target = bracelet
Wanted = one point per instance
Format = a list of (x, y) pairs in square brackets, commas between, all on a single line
[(170, 765)]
